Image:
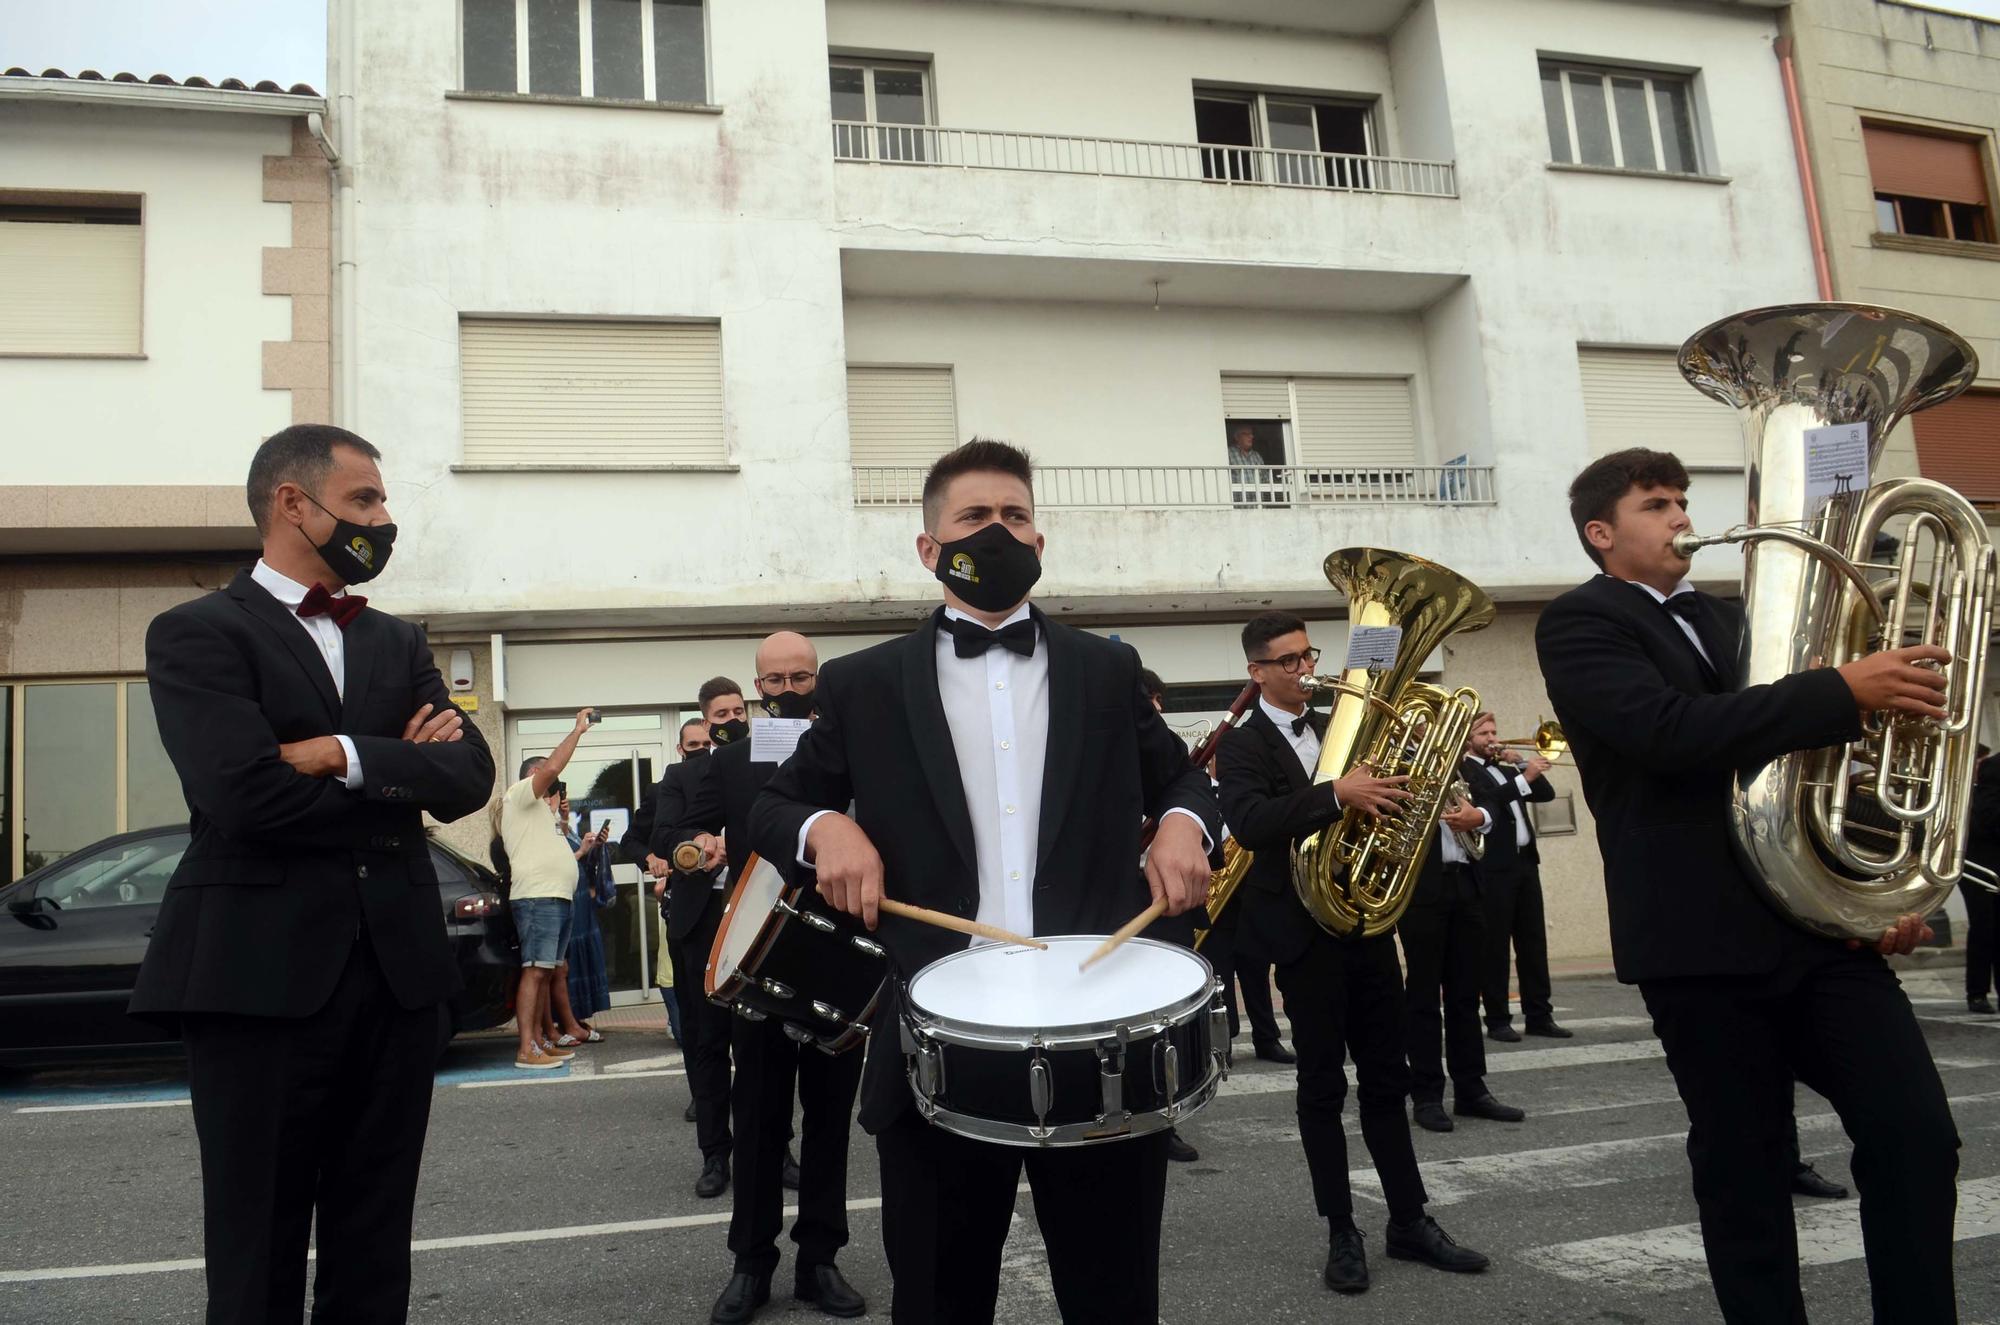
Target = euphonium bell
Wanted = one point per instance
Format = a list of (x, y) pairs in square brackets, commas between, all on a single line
[(1814, 595), (1356, 875)]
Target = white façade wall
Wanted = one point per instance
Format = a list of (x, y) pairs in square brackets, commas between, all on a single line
[(194, 408)]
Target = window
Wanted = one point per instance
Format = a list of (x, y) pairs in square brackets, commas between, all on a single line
[(135, 874), (1626, 119), (1321, 438), (893, 97), (623, 50), (1307, 141), (69, 273), (581, 394), (898, 421), (1639, 398), (1955, 444), (1929, 184)]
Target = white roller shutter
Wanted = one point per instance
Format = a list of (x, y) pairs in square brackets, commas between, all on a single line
[(1639, 398), (1355, 421), (1256, 396), (69, 288), (900, 416), (591, 393)]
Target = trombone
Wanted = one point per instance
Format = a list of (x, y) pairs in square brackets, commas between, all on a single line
[(1548, 742)]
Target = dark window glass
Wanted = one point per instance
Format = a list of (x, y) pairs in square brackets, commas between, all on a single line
[(1593, 122), (152, 788), (6, 784), (1220, 121), (489, 45), (1558, 118), (617, 60), (680, 53), (555, 66), (1971, 221), (899, 99), (1670, 103), (850, 102), (71, 769), (1921, 216), (1635, 127)]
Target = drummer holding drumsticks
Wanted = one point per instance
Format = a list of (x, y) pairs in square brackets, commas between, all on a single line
[(998, 766)]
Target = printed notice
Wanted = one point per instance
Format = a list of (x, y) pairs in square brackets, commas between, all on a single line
[(1836, 462), (1373, 647), (772, 740)]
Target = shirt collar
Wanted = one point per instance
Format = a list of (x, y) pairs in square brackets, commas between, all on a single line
[(282, 587), (1020, 614), (1684, 586), (1279, 718)]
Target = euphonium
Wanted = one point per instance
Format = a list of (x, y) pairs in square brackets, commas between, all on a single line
[(1472, 844), (1814, 595), (1356, 875)]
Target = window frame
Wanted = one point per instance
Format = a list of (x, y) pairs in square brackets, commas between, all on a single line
[(587, 73), (82, 200), (1259, 101), (1605, 73), (872, 143), (1981, 142)]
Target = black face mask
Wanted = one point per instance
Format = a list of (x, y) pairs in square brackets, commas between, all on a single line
[(725, 733), (789, 704), (695, 753), (990, 569), (356, 553)]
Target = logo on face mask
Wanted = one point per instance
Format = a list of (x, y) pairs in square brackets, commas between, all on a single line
[(963, 569), (363, 550)]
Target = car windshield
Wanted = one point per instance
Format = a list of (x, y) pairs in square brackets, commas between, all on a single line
[(125, 874)]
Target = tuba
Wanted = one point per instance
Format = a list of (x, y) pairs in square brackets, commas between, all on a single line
[(1846, 839), (1355, 876)]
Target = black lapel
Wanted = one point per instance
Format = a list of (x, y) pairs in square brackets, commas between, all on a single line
[(291, 634), (366, 636), (1297, 776), (1061, 755), (1670, 646), (1724, 640), (932, 735)]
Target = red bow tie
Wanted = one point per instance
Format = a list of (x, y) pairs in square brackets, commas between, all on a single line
[(319, 602)]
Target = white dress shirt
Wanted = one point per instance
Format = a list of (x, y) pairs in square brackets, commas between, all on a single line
[(1500, 778), (326, 636), (1687, 626), (1304, 742)]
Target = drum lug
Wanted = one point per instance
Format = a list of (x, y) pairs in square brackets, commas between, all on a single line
[(1218, 1034), (798, 1033), (1111, 1083), (930, 1072), (774, 989), (748, 1013), (869, 946), (1167, 1069), (828, 1012), (817, 921), (1041, 1089)]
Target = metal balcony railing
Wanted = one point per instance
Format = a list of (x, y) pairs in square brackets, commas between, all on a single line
[(1217, 487), (1067, 154)]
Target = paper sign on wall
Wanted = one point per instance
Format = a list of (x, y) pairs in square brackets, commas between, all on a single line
[(772, 740), (1373, 647), (1836, 462)]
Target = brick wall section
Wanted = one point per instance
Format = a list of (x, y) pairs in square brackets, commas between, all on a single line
[(302, 365)]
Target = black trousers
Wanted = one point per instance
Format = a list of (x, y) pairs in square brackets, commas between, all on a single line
[(947, 1203), (1982, 955), (1841, 1022), (1443, 946), (1514, 917), (705, 1030), (770, 1068), (313, 1118), (1346, 997), (1236, 960)]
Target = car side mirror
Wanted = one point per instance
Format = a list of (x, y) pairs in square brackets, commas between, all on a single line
[(23, 906)]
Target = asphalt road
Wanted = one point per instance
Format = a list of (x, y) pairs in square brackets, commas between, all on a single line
[(571, 1199)]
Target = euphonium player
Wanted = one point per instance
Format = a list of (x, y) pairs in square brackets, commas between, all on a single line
[(1643, 672), (1343, 995)]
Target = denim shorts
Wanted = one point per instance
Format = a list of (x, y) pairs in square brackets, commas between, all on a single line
[(543, 926)]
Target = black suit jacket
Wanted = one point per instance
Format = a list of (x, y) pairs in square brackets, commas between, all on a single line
[(282, 869), (1498, 799), (1430, 889), (1657, 744), (714, 796), (1270, 801), (689, 892), (881, 743)]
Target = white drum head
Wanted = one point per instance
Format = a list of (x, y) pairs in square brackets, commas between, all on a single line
[(750, 906), (1028, 989)]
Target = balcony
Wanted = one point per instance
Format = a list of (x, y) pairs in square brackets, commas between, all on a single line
[(1208, 163), (1217, 487)]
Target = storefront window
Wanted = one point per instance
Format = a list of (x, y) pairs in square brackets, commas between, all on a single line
[(152, 789), (69, 797)]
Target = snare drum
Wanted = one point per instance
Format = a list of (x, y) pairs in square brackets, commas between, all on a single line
[(778, 954), (1017, 1046)]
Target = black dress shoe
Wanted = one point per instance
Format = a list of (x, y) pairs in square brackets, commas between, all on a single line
[(741, 1298), (1505, 1033), (1807, 1181), (1979, 1003), (823, 1286), (790, 1174), (1422, 1240), (1485, 1106), (1549, 1030), (1347, 1262), (1431, 1117), (687, 1114), (714, 1179), (1179, 1151), (1276, 1052)]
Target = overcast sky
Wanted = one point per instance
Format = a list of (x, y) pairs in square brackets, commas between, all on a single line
[(284, 40)]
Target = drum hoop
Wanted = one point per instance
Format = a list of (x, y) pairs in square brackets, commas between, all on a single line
[(981, 1035), (766, 936)]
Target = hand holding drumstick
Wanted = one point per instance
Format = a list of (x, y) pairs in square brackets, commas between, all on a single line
[(850, 879)]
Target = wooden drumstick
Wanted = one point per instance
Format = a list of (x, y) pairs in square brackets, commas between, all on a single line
[(687, 857), (1125, 931), (945, 920)]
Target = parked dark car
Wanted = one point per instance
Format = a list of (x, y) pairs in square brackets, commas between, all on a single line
[(72, 935)]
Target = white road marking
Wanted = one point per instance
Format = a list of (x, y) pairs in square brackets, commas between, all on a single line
[(1521, 1060), (557, 1079), (97, 1108), (1656, 1260), (641, 1065)]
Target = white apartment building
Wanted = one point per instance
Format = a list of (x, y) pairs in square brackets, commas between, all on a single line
[(658, 309)]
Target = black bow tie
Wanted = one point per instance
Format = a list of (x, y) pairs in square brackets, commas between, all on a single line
[(1686, 606), (971, 639), (1299, 724)]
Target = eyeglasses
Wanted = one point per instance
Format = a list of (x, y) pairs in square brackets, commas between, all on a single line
[(777, 680), (1290, 662)]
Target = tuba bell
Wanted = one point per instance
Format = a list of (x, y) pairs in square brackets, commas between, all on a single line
[(1356, 875), (1847, 838)]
